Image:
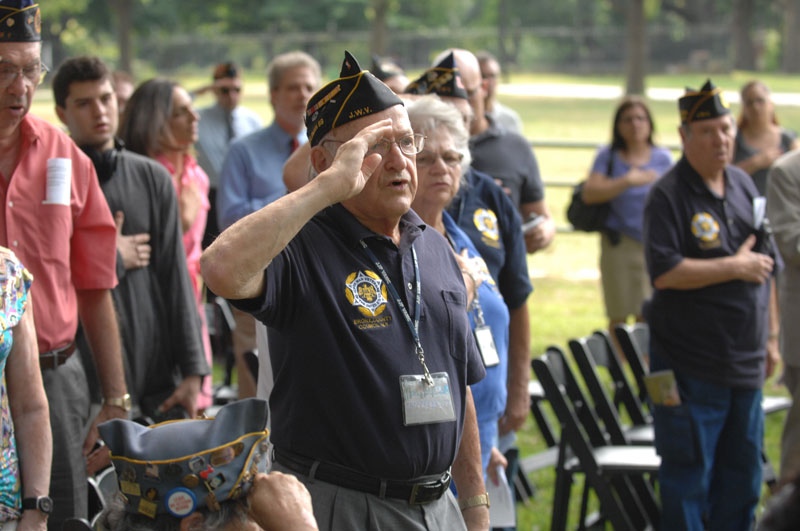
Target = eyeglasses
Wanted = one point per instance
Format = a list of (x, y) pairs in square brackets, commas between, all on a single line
[(33, 73), (450, 158), (228, 90), (409, 144)]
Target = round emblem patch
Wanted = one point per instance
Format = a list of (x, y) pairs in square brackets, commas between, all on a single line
[(486, 222), (705, 227), (366, 291), (181, 502)]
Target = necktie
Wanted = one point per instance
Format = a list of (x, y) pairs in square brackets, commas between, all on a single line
[(230, 128)]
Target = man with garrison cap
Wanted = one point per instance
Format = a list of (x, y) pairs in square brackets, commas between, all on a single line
[(54, 217), (368, 334), (711, 260)]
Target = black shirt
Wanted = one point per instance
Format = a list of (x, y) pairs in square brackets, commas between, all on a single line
[(716, 333), (339, 344)]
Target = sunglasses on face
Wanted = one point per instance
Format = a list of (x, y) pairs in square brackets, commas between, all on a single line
[(229, 90)]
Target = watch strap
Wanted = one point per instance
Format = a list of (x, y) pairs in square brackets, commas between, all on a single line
[(474, 501), (123, 402), (43, 504)]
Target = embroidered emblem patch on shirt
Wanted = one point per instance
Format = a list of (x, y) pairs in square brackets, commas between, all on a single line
[(366, 291), (706, 229), (486, 222)]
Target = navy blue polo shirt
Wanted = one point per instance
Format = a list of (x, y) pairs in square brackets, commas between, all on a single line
[(339, 344), (507, 156), (492, 222), (717, 333)]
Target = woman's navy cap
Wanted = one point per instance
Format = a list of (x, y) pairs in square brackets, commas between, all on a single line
[(354, 95), (703, 104), (20, 21), (442, 80)]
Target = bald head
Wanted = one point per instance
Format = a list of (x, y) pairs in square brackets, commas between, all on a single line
[(470, 71)]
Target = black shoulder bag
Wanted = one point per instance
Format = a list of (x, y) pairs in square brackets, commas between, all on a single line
[(591, 218)]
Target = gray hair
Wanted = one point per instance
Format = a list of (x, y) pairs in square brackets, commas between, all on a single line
[(286, 61), (430, 112), (116, 518)]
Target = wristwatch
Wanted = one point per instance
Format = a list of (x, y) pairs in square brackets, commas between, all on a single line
[(43, 504), (124, 402), (474, 501)]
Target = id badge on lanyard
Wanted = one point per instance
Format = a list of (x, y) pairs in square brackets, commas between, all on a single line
[(425, 403), (484, 337)]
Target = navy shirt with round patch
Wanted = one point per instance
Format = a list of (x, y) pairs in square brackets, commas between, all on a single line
[(717, 333), (339, 344), (492, 222)]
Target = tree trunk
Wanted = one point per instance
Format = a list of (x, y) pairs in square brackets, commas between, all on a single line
[(502, 33), (377, 40), (744, 57), (125, 28), (790, 61), (636, 44)]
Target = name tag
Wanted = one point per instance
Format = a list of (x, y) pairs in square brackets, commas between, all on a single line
[(425, 403), (485, 340)]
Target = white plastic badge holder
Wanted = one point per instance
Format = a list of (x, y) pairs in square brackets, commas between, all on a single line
[(425, 403), (59, 181), (485, 340)]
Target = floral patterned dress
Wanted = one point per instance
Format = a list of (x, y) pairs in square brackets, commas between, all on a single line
[(15, 282)]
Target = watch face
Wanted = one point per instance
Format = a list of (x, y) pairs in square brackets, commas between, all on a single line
[(45, 504)]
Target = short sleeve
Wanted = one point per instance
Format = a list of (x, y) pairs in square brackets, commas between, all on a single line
[(601, 160), (662, 240), (15, 283), (532, 186)]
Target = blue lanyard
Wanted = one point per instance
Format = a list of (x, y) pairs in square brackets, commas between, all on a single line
[(413, 326)]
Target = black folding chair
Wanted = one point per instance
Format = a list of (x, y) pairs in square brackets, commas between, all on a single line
[(76, 524), (595, 351), (615, 473), (634, 341)]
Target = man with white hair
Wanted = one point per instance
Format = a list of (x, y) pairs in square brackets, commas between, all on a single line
[(369, 338)]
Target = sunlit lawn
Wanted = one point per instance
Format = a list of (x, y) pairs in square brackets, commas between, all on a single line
[(567, 299)]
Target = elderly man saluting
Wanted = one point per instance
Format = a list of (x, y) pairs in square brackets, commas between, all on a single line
[(368, 333)]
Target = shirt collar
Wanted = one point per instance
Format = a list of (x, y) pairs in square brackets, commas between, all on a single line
[(411, 227), (693, 179)]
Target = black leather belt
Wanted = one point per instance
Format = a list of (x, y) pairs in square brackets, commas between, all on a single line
[(426, 490), (54, 358)]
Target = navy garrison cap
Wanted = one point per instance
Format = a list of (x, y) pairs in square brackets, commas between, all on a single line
[(442, 79), (356, 94), (20, 21), (384, 70), (179, 466), (702, 104)]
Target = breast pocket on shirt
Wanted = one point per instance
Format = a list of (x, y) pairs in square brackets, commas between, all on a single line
[(53, 233), (455, 303)]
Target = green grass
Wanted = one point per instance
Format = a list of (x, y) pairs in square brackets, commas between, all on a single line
[(567, 300)]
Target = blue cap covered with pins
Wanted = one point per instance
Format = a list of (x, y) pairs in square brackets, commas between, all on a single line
[(20, 21), (177, 467)]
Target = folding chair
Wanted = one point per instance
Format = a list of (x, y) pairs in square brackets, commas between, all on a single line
[(634, 341), (591, 352), (615, 473), (76, 524)]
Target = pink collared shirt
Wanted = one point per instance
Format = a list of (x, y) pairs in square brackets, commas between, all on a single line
[(193, 238), (66, 247)]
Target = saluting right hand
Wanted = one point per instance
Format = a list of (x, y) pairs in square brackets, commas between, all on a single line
[(753, 267), (353, 165)]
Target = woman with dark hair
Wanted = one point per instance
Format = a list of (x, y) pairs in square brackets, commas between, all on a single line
[(160, 123), (621, 175), (759, 139)]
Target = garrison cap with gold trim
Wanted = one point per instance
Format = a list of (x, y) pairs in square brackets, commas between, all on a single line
[(179, 466), (442, 79), (703, 104), (354, 95), (20, 21)]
